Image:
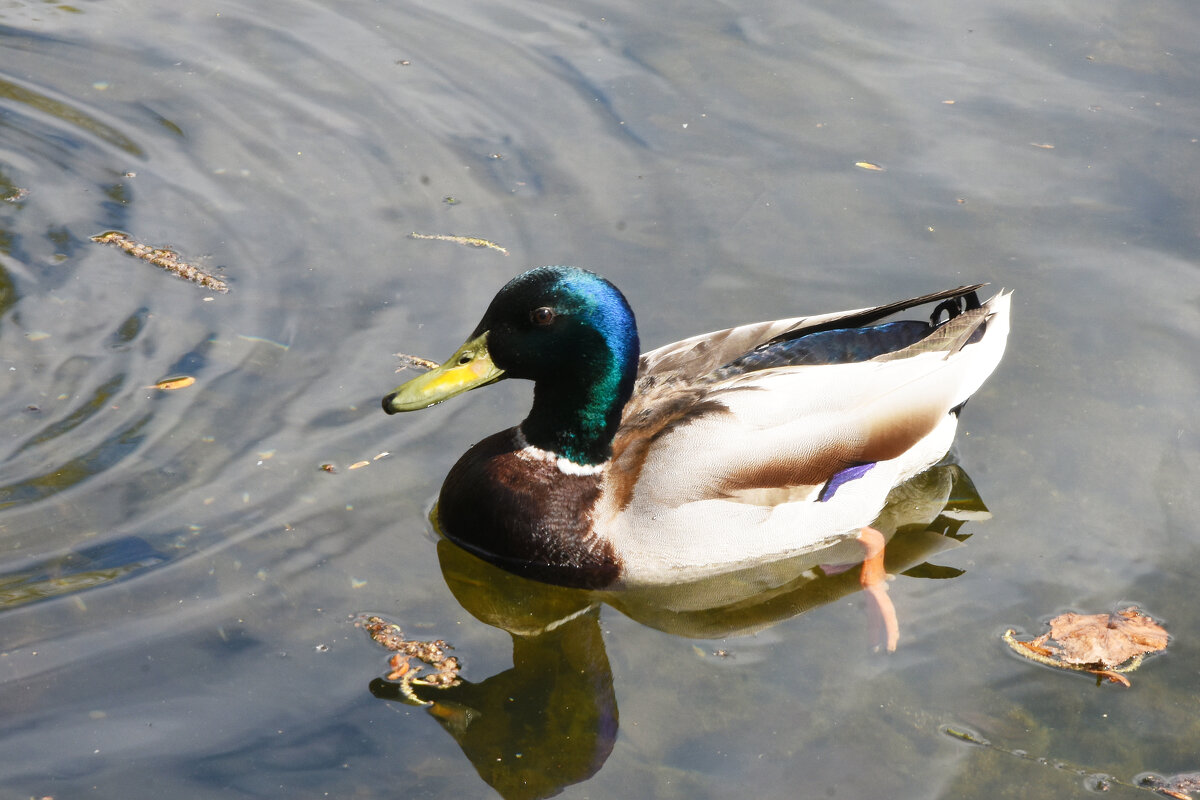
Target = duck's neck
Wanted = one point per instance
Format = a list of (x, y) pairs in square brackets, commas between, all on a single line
[(576, 416)]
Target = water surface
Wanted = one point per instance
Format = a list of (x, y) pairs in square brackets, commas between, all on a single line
[(178, 575)]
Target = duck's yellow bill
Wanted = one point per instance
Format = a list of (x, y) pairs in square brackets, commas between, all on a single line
[(470, 366)]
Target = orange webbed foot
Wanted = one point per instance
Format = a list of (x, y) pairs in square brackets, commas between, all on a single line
[(873, 579)]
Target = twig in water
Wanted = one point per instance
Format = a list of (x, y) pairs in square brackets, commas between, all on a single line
[(162, 257), (416, 362), (470, 241)]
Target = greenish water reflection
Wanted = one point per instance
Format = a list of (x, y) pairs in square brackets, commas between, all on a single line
[(76, 571), (69, 114)]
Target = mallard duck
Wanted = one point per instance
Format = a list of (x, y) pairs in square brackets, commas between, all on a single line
[(712, 454)]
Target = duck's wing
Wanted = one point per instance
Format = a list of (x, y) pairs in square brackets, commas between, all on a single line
[(691, 358), (772, 431)]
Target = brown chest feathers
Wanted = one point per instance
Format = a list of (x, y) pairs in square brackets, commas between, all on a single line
[(518, 510)]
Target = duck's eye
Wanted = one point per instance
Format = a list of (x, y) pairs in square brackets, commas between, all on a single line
[(542, 316)]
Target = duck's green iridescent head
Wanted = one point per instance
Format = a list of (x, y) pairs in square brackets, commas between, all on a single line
[(568, 330)]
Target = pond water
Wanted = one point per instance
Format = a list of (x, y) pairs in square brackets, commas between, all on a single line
[(180, 578)]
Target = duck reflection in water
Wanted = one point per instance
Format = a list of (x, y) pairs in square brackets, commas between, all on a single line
[(550, 721)]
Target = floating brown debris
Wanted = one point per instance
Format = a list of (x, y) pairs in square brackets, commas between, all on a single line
[(416, 362), (389, 636), (332, 468), (162, 257), (1106, 645), (469, 241), (1181, 787)]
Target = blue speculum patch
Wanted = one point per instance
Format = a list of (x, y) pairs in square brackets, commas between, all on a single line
[(843, 477)]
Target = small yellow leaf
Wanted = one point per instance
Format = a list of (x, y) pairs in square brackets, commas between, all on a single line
[(869, 165), (358, 465), (168, 384), (1042, 146)]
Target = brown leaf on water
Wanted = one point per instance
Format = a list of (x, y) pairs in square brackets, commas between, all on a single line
[(1106, 639), (1106, 645)]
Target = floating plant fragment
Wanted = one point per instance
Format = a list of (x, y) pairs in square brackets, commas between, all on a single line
[(391, 637), (469, 241), (1106, 645), (1181, 787), (162, 257), (416, 362)]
